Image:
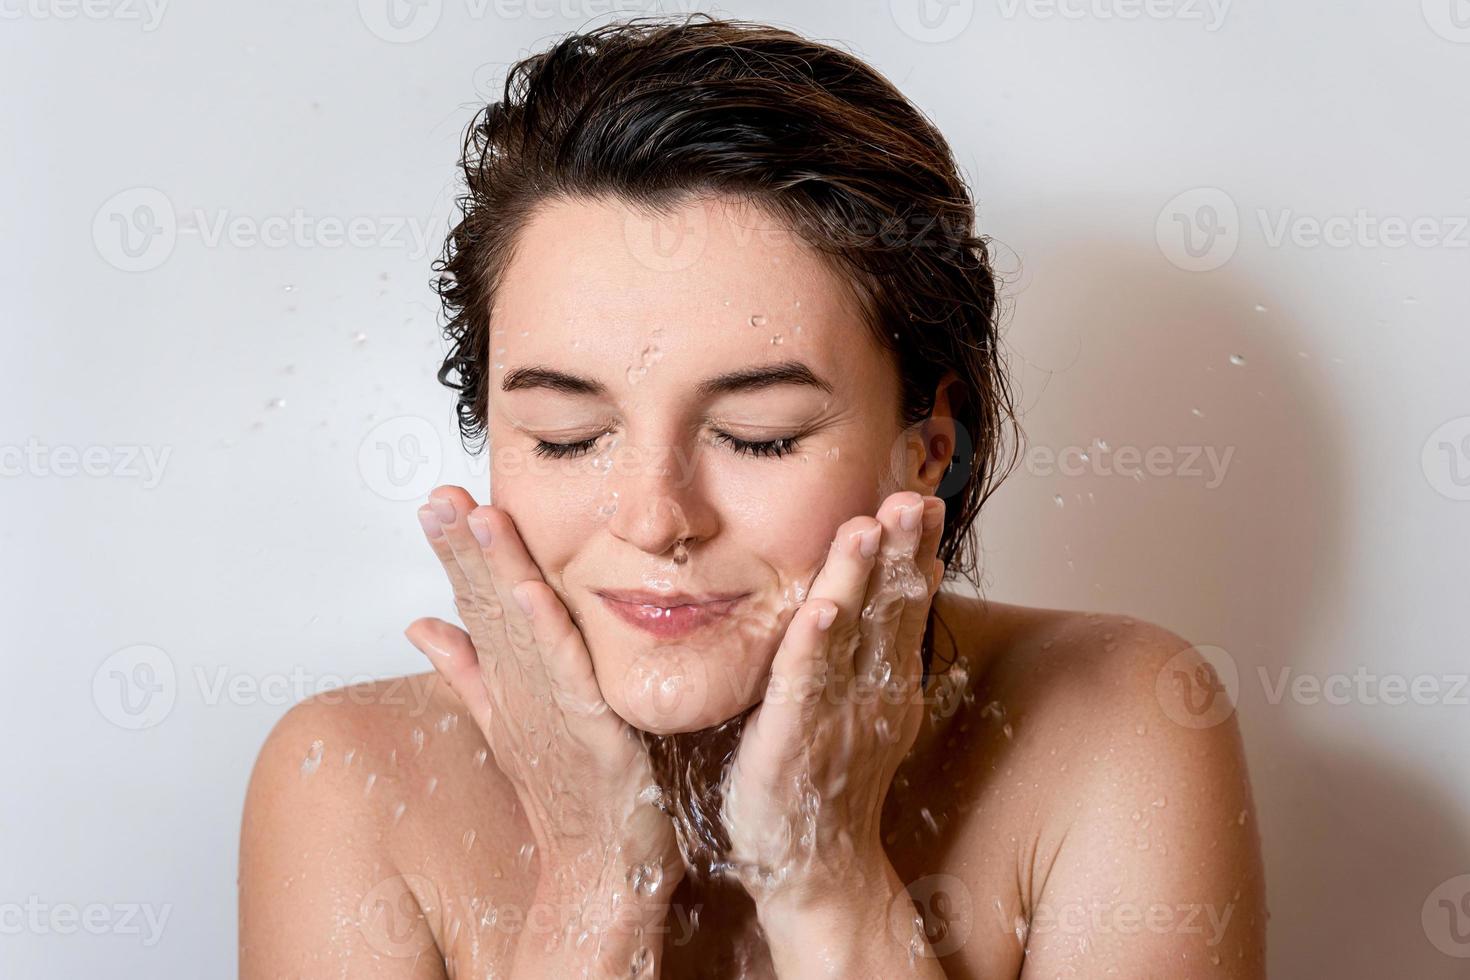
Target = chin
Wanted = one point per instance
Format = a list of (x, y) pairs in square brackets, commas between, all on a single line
[(670, 690)]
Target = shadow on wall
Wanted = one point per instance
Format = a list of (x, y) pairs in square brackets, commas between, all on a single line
[(1244, 550)]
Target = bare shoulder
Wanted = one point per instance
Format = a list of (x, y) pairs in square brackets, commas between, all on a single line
[(356, 797), (1105, 781)]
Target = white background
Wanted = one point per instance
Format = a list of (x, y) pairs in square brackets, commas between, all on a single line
[(270, 555)]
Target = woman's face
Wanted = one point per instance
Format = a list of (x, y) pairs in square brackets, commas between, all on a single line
[(656, 350)]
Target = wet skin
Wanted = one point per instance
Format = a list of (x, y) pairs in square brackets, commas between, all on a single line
[(1046, 779)]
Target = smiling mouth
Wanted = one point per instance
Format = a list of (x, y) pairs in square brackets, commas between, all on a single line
[(668, 616)]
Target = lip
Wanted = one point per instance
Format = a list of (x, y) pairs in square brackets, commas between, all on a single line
[(668, 614)]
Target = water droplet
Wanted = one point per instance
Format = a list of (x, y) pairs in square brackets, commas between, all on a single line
[(398, 812), (1260, 308), (469, 839), (1196, 413), (776, 340), (1241, 819), (432, 785), (288, 288), (313, 759), (929, 820), (368, 786), (276, 403), (480, 756), (645, 878), (757, 320), (359, 338), (1059, 501), (1237, 360)]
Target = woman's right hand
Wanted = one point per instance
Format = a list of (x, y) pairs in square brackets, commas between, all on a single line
[(524, 674)]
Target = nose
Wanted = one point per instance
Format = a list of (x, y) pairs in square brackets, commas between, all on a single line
[(660, 502)]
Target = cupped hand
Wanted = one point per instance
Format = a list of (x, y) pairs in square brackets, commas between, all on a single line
[(523, 672), (804, 795)]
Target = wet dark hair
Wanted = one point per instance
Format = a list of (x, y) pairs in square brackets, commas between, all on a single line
[(653, 111)]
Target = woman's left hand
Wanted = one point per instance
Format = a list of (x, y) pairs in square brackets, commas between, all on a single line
[(803, 798)]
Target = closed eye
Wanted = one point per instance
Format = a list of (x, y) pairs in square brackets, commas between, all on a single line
[(769, 449)]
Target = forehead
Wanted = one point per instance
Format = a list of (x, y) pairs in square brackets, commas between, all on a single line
[(719, 279)]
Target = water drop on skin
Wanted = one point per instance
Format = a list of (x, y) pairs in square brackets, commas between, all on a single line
[(368, 787), (433, 784), (776, 340), (757, 320), (1059, 501), (313, 759), (469, 840), (1197, 413), (1237, 360), (1260, 308)]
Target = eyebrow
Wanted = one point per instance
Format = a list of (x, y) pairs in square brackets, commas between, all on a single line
[(744, 380)]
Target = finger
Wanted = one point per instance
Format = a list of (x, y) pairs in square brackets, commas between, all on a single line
[(503, 555), (918, 595), (464, 594), (902, 517), (781, 727), (844, 576), (453, 506), (453, 655), (563, 652)]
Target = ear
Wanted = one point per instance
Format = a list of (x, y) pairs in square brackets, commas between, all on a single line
[(933, 441)]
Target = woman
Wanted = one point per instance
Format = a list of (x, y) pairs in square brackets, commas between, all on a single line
[(718, 307)]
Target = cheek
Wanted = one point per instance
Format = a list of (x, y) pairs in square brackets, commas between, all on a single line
[(786, 512), (554, 516)]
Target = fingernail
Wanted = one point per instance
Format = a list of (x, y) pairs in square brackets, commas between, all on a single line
[(825, 617), (868, 541), (432, 525), (480, 530), (908, 517), (443, 508), (521, 600)]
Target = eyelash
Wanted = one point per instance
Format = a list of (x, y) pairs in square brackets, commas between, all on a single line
[(771, 449)]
